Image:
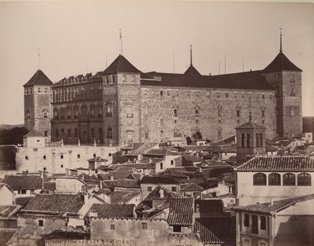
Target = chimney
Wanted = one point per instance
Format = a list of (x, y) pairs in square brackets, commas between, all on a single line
[(161, 193)]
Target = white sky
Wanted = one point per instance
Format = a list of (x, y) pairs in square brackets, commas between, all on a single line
[(78, 37)]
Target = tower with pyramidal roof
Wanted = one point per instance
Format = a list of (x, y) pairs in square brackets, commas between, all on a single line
[(286, 78), (37, 103)]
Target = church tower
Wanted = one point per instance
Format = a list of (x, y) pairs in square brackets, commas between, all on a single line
[(37, 103), (122, 102), (286, 78), (250, 141)]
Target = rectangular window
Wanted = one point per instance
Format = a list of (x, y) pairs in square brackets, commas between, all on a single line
[(144, 226), (263, 223), (227, 95), (44, 157), (176, 228), (94, 155), (149, 188), (61, 156), (172, 162), (78, 156), (238, 113), (112, 227), (263, 113), (40, 223), (69, 133), (175, 112), (161, 166), (26, 157), (146, 135), (246, 220), (23, 191), (173, 188), (45, 133)]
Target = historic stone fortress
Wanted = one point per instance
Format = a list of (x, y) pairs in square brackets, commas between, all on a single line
[(122, 104)]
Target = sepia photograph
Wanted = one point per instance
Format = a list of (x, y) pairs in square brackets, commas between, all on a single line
[(156, 123)]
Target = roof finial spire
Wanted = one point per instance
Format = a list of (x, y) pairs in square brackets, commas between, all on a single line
[(191, 55), (280, 40), (38, 54), (121, 42)]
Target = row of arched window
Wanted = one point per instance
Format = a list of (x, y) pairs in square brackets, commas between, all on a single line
[(288, 179)]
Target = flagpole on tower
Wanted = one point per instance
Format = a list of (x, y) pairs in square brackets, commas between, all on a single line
[(38, 54)]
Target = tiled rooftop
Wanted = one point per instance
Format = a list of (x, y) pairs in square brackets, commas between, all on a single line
[(23, 182), (278, 163), (181, 211), (276, 206), (122, 197), (213, 230), (158, 180), (113, 210), (55, 203)]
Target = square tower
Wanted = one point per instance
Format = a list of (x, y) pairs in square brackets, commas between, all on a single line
[(37, 104), (122, 102)]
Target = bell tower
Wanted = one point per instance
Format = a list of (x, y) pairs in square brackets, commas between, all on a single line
[(250, 141), (37, 104)]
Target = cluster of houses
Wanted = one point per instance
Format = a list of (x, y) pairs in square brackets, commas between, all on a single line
[(163, 194)]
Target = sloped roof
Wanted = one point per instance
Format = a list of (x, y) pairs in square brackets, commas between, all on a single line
[(191, 187), (158, 180), (122, 197), (244, 80), (276, 206), (192, 71), (212, 206), (39, 78), (212, 230), (281, 63), (121, 65), (6, 236), (250, 125), (34, 133), (23, 182), (56, 203), (142, 148), (278, 163), (180, 211), (113, 210), (125, 183), (155, 194)]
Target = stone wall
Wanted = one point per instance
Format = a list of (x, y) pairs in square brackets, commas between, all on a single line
[(167, 113), (131, 230), (58, 159)]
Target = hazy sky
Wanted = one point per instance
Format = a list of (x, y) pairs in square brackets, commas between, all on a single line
[(79, 37)]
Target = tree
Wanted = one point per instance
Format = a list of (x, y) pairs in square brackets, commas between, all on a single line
[(197, 135), (12, 136)]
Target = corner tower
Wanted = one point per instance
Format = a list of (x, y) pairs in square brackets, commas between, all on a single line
[(286, 78), (37, 103), (122, 102)]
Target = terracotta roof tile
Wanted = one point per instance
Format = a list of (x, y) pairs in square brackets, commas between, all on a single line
[(276, 206), (278, 163), (180, 211), (215, 230), (122, 197), (158, 180), (23, 182), (55, 203), (113, 210)]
